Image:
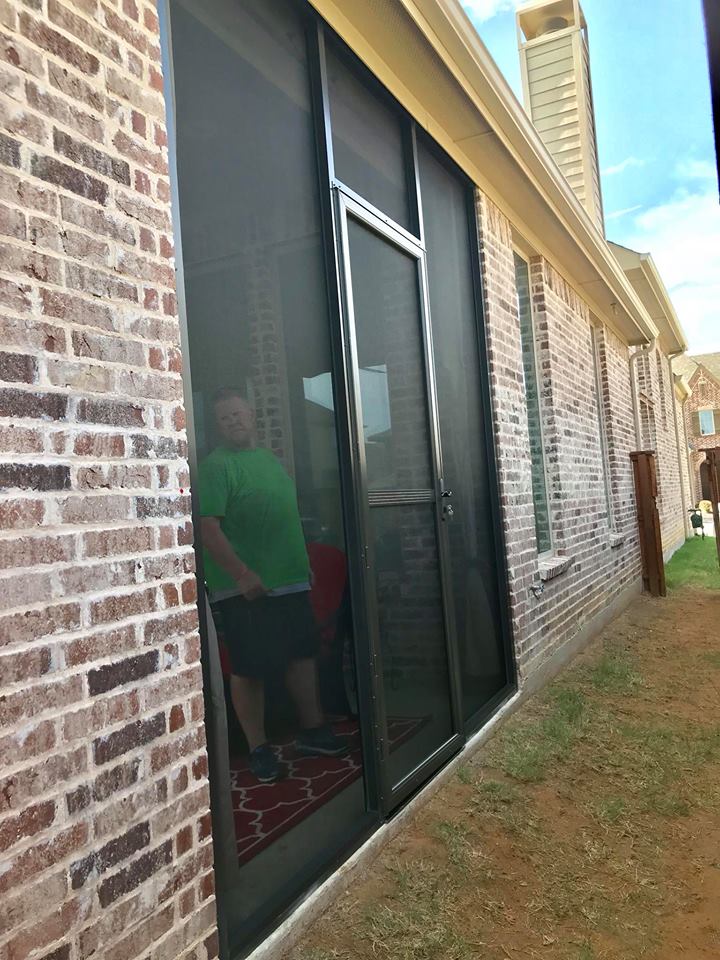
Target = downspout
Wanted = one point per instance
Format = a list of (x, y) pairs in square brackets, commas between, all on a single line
[(686, 515), (688, 453)]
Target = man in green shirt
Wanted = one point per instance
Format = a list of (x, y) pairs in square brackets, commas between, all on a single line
[(257, 572)]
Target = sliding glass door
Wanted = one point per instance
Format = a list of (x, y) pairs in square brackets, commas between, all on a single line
[(405, 507), (341, 444)]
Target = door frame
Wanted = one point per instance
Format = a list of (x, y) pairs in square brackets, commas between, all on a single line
[(316, 29), (349, 206)]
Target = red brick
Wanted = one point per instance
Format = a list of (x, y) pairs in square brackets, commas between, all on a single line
[(133, 735), (67, 306), (12, 222), (52, 41), (21, 514), (124, 540), (99, 445), (139, 123), (21, 332), (30, 821), (32, 900), (114, 608), (200, 767), (204, 827), (20, 440), (95, 646), (177, 718), (76, 87), (132, 876), (35, 700), (183, 841), (69, 178), (179, 780), (45, 931), (41, 856), (87, 156), (206, 886), (31, 551), (110, 854), (84, 30), (121, 672), (142, 185), (186, 904), (31, 263)]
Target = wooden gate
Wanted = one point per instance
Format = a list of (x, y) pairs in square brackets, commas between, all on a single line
[(653, 565), (712, 459)]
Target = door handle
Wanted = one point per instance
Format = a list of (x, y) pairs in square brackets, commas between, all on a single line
[(446, 493)]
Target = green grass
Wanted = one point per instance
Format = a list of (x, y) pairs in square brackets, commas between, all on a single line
[(420, 923), (614, 672), (694, 565), (454, 836), (586, 951), (526, 749), (610, 809), (466, 775)]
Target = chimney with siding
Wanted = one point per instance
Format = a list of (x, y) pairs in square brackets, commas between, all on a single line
[(555, 64)]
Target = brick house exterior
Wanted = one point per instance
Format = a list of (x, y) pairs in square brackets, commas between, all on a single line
[(104, 808), (597, 556), (701, 376), (105, 824)]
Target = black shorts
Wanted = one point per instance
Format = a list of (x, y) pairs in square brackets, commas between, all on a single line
[(262, 636)]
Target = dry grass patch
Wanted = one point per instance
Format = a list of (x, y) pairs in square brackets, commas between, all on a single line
[(587, 829)]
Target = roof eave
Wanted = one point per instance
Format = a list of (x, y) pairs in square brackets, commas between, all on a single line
[(508, 160), (658, 303), (668, 322), (510, 121)]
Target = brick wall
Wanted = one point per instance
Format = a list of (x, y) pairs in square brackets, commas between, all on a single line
[(104, 824), (685, 477), (657, 392), (603, 558), (705, 395), (619, 423)]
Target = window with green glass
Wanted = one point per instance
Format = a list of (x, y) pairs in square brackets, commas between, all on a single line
[(534, 414)]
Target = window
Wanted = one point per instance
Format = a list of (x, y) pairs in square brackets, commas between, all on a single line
[(707, 422), (368, 144), (532, 393), (597, 365)]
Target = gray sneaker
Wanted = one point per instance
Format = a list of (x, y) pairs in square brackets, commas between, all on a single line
[(264, 764), (322, 742)]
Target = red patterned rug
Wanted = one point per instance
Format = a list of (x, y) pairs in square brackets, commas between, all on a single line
[(264, 811)]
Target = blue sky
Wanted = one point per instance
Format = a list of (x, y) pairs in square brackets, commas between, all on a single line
[(655, 141)]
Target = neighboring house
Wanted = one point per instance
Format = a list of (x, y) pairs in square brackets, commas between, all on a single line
[(701, 375), (341, 212), (659, 412)]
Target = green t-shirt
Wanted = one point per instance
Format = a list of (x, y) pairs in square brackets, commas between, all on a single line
[(257, 503)]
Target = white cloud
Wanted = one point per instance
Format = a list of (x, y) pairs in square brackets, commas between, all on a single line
[(683, 236), (616, 214), (623, 165), (695, 170), (482, 10)]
